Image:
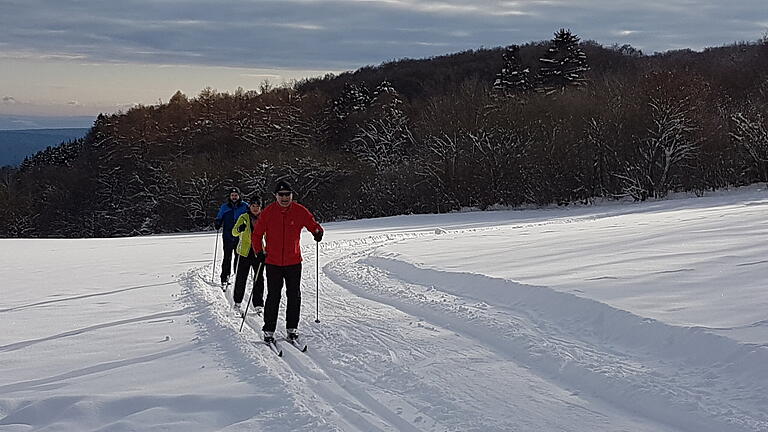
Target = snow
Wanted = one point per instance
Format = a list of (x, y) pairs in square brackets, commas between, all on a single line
[(615, 317)]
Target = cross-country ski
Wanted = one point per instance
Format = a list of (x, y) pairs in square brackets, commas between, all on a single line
[(273, 347), (298, 343)]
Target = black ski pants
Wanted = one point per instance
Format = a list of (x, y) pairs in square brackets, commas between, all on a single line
[(244, 266), (276, 276), (226, 263)]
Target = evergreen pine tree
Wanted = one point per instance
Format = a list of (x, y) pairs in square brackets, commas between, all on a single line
[(353, 98), (386, 101), (382, 140), (513, 78), (563, 65)]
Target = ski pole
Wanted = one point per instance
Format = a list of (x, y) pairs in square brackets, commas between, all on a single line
[(237, 256), (317, 280), (258, 271), (237, 261), (215, 251)]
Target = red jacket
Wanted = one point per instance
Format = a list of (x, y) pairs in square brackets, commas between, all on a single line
[(282, 226)]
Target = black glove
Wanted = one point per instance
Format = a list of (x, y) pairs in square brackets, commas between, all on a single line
[(318, 235), (217, 224), (261, 255), (241, 228)]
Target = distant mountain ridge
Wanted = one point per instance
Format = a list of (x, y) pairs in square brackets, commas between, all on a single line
[(29, 122), (15, 145)]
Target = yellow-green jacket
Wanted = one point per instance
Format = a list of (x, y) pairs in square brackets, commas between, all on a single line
[(244, 246)]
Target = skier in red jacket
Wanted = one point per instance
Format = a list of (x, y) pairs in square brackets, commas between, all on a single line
[(282, 222)]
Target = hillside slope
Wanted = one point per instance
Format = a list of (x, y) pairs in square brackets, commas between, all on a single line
[(636, 317)]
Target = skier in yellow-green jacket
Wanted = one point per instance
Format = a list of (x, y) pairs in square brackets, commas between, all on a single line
[(248, 259)]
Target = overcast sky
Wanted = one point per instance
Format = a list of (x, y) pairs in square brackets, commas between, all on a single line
[(82, 57)]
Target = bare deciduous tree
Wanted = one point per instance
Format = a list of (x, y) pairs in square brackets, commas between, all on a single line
[(752, 134)]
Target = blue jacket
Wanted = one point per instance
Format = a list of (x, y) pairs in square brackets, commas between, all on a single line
[(228, 214)]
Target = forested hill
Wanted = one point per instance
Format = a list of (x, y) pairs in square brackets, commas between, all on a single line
[(551, 122)]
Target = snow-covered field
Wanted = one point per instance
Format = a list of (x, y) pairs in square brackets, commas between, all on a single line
[(645, 317)]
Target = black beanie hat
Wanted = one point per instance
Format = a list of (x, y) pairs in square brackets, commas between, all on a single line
[(283, 186), (233, 189)]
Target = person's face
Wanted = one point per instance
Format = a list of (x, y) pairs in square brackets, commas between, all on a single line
[(255, 209), (234, 196), (284, 198)]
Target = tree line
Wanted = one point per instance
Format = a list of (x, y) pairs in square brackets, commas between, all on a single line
[(549, 122)]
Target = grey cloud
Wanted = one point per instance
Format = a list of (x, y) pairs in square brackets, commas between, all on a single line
[(314, 34)]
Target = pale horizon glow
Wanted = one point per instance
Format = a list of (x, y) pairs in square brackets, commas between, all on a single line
[(109, 88)]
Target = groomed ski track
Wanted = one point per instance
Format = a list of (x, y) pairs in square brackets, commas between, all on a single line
[(401, 348)]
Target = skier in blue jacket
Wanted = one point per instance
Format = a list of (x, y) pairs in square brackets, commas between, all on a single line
[(225, 219)]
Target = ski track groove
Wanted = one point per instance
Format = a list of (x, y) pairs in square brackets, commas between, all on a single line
[(344, 317), (356, 409), (535, 344), (543, 339), (350, 251)]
